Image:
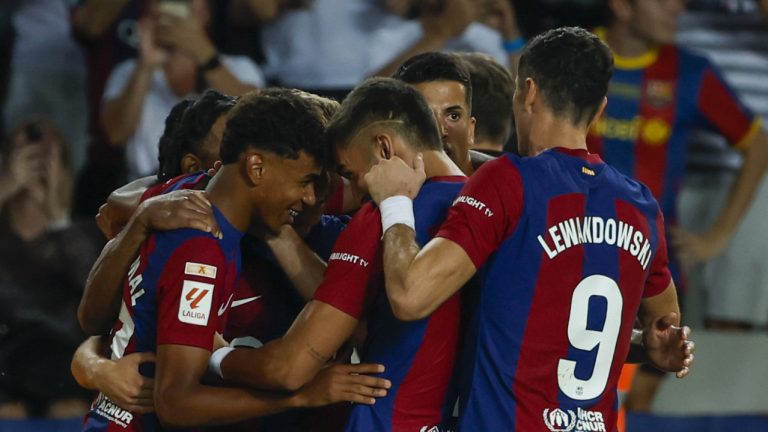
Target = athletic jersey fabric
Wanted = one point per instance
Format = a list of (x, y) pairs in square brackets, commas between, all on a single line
[(567, 247), (178, 291), (419, 355)]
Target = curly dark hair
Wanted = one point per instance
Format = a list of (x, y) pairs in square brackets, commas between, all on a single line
[(572, 68), (386, 99), (277, 120), (186, 128), (435, 66)]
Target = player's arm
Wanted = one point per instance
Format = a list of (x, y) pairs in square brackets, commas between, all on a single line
[(666, 343), (292, 361), (302, 266), (419, 281), (326, 322), (121, 204), (101, 298), (119, 380), (183, 402), (711, 243)]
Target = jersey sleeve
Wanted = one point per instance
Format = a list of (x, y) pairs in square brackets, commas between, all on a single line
[(723, 110), (192, 295), (659, 275), (350, 280), (486, 211)]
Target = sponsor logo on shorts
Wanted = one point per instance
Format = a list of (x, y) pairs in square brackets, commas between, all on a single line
[(202, 270), (107, 409), (558, 420), (195, 302)]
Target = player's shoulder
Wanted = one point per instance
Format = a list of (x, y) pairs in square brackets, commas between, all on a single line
[(194, 181), (188, 241), (687, 59), (632, 190)]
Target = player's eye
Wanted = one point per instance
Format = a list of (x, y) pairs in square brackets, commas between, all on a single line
[(454, 116)]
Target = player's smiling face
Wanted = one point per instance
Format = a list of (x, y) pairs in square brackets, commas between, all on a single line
[(355, 159), (288, 185)]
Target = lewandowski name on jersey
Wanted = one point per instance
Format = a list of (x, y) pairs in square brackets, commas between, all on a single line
[(596, 230)]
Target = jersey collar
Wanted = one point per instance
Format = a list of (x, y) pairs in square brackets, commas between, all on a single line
[(630, 63)]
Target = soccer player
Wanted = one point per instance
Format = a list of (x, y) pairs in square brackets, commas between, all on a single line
[(569, 249), (659, 94), (492, 90), (179, 290), (444, 82), (380, 119)]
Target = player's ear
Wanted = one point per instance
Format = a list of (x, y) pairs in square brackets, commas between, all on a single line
[(190, 164), (599, 113), (254, 167), (384, 145), (531, 94)]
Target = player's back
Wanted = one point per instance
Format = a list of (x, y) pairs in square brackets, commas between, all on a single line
[(559, 295), (419, 356)]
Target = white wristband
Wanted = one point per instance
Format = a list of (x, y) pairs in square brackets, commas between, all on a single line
[(214, 363), (396, 210)]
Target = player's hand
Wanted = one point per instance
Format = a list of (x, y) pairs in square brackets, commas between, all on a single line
[(150, 54), (392, 177), (500, 16), (668, 347), (448, 20), (344, 383), (694, 248), (216, 167), (178, 209), (122, 383), (185, 34)]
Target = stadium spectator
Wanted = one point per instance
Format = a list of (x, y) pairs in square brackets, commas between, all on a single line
[(506, 224), (44, 262), (176, 59), (659, 94), (446, 25), (48, 76)]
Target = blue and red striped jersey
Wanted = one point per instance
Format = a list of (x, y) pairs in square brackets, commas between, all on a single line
[(567, 247), (419, 356), (654, 102), (178, 291)]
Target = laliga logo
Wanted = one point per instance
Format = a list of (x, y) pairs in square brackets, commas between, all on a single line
[(559, 421)]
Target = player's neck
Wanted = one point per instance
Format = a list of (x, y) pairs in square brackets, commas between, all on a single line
[(228, 194), (625, 43), (551, 131), (438, 164)]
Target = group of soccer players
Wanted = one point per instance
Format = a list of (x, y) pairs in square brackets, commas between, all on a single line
[(558, 255)]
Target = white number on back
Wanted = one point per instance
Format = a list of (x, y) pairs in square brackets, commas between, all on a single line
[(585, 339)]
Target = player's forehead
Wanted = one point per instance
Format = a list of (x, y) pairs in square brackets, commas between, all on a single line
[(443, 94)]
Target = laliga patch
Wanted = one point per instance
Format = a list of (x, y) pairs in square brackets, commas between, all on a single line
[(195, 302), (203, 270)]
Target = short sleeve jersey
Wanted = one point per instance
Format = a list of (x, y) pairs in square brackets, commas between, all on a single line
[(178, 291), (654, 103), (567, 248), (419, 356)]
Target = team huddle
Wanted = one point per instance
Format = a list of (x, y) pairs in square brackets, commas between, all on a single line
[(479, 293)]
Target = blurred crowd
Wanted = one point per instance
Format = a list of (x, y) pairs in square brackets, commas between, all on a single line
[(86, 86)]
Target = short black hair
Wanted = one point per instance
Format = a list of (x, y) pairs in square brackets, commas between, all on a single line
[(435, 66), (386, 99), (277, 120), (572, 68), (186, 127), (493, 88)]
